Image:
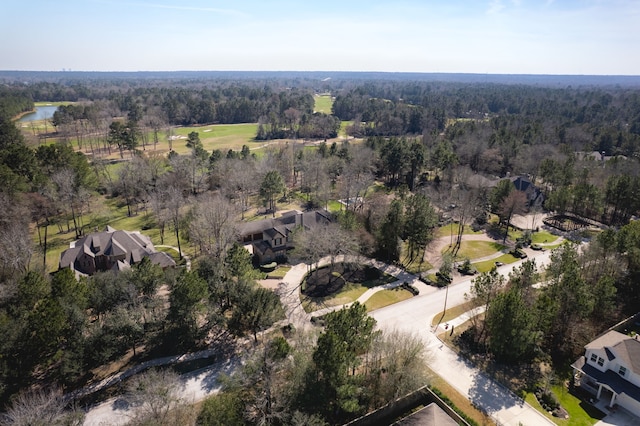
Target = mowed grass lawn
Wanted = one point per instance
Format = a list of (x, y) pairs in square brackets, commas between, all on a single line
[(475, 249), (543, 237), (216, 136), (487, 265), (453, 229), (323, 103), (580, 413), (453, 312), (387, 297), (348, 294)]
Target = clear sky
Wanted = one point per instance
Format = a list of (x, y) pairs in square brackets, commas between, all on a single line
[(464, 36)]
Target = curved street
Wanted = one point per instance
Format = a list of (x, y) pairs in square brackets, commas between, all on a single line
[(413, 315)]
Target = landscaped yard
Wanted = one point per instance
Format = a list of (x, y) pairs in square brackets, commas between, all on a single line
[(279, 272), (324, 287), (580, 413), (387, 297), (476, 249), (104, 211), (543, 237)]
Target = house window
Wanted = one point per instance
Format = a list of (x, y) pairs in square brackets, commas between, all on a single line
[(278, 241), (600, 361), (594, 357), (622, 371)]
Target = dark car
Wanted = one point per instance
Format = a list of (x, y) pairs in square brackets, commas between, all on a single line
[(519, 253)]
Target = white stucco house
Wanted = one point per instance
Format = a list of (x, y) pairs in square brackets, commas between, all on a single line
[(610, 370)]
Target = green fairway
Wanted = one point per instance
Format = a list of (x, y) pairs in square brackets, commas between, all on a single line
[(39, 104), (323, 103), (216, 136), (343, 128)]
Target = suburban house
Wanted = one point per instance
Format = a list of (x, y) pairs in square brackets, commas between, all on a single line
[(270, 239), (535, 197), (610, 369), (111, 250), (431, 415)]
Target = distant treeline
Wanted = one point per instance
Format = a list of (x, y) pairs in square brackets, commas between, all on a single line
[(13, 102)]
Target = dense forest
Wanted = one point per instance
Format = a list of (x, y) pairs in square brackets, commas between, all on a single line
[(404, 150)]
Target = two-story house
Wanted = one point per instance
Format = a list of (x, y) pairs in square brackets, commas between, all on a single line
[(113, 250), (270, 239), (610, 368)]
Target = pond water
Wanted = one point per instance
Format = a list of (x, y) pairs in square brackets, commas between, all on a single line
[(41, 113)]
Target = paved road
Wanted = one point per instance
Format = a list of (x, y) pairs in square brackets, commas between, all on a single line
[(415, 316), (196, 386)]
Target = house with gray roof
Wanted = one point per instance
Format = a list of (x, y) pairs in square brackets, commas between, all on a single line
[(610, 369), (270, 239), (111, 250), (431, 415)]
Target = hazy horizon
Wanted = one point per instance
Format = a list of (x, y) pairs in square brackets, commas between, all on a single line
[(508, 37)]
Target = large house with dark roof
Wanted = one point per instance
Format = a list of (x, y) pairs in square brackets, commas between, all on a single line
[(535, 197), (270, 239), (111, 250), (610, 368)]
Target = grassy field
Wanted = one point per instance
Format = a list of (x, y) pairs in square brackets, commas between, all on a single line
[(487, 265), (343, 128), (475, 249), (387, 297), (323, 103)]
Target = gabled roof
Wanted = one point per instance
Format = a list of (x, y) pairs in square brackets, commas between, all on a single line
[(608, 339), (521, 183), (609, 378), (629, 351), (121, 246), (620, 346), (431, 415), (287, 222)]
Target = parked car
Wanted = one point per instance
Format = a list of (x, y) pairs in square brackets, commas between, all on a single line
[(519, 253), (498, 263), (536, 247)]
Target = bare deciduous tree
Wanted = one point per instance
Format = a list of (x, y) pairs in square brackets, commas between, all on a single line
[(212, 227), (41, 408), (155, 394)]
